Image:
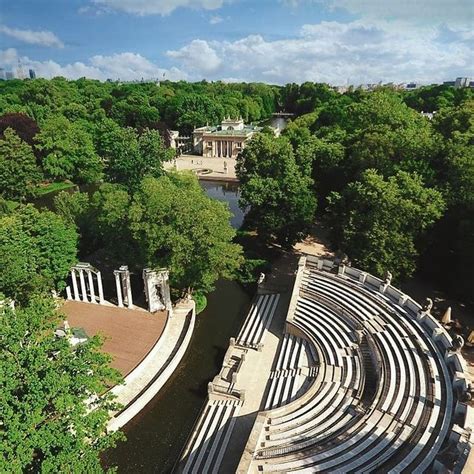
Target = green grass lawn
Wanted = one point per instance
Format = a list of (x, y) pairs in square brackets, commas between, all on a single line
[(53, 187), (201, 302)]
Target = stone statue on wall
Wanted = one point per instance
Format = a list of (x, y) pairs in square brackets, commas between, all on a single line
[(458, 343), (388, 278), (428, 306), (157, 290)]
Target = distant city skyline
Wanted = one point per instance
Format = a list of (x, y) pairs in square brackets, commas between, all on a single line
[(340, 42)]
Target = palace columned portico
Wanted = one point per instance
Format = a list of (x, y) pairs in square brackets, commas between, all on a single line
[(223, 141)]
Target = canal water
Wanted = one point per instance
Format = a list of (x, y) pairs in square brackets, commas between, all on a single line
[(156, 436)]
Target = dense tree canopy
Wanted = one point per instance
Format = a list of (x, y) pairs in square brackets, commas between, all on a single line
[(276, 188), (53, 405), (25, 127), (131, 156), (87, 127), (167, 222), (378, 222), (175, 225), (68, 151), (19, 174), (37, 249)]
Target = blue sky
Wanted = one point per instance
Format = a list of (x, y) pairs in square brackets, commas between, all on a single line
[(276, 41)]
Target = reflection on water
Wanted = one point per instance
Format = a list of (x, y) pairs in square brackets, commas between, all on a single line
[(226, 192)]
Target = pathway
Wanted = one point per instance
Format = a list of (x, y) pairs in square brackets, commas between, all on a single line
[(196, 163)]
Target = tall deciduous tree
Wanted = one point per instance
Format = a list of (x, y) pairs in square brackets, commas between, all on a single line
[(131, 156), (68, 151), (449, 257), (18, 171), (37, 249), (178, 227), (379, 222), (277, 190), (54, 404)]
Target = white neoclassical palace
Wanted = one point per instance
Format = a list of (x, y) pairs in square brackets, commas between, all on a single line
[(223, 141)]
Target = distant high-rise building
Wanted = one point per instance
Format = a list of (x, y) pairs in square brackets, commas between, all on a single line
[(32, 74), (462, 82), (2, 74), (9, 75)]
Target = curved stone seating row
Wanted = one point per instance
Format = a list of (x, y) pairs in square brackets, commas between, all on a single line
[(439, 416), (404, 422), (340, 367), (396, 349), (258, 320), (205, 450), (294, 366)]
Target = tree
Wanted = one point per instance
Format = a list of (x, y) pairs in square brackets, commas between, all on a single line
[(25, 127), (131, 156), (69, 152), (449, 255), (175, 225), (278, 191), (37, 250), (19, 174), (379, 223), (166, 222), (54, 404)]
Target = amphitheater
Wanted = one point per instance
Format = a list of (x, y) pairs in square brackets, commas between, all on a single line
[(361, 379)]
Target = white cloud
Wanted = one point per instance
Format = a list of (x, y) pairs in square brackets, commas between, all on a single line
[(421, 12), (198, 56), (43, 38), (124, 66), (334, 52), (215, 19), (157, 7)]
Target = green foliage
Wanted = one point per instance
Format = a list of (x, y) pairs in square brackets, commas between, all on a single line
[(68, 151), (131, 156), (379, 222), (304, 98), (18, 171), (250, 270), (37, 249), (434, 98), (334, 137), (53, 188), (201, 302), (449, 255), (54, 404), (167, 222), (175, 225), (278, 191)]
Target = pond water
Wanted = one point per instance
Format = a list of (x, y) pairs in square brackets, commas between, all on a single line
[(157, 435), (226, 192)]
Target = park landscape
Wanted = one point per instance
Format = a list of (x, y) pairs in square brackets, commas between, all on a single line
[(391, 189)]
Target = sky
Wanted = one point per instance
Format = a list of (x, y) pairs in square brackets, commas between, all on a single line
[(340, 42)]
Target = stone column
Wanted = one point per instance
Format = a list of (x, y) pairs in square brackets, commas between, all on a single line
[(99, 286), (126, 285), (119, 289), (74, 284), (91, 286), (127, 288), (68, 293), (83, 285)]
